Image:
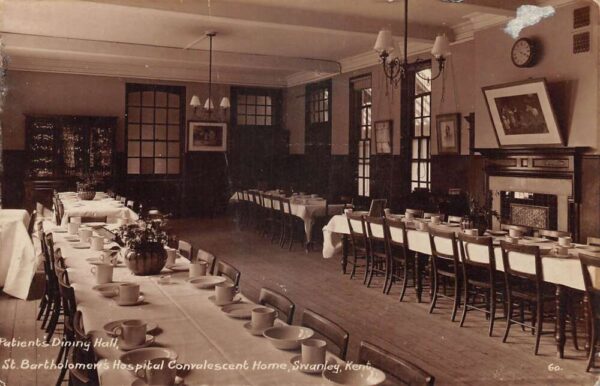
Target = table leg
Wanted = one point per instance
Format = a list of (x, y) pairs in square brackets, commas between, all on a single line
[(419, 277), (344, 253), (587, 321), (560, 302)]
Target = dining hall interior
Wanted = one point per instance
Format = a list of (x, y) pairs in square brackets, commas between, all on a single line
[(261, 192)]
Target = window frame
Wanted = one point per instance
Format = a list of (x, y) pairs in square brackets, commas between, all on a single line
[(422, 158)]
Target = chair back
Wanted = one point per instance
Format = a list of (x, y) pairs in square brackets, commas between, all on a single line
[(210, 259), (229, 271), (130, 204), (32, 221), (276, 204), (278, 301), (376, 234), (522, 261), (443, 245), (358, 231), (67, 294), (83, 371), (377, 207), (185, 249), (590, 268), (454, 219), (396, 232), (331, 331), (401, 369), (286, 206), (123, 200), (415, 212), (481, 260), (595, 241), (551, 234)]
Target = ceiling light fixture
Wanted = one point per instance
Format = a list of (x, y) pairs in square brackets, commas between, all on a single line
[(395, 68), (209, 105)]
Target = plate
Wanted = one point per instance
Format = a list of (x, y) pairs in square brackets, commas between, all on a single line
[(248, 326), (536, 239), (96, 224), (134, 358), (239, 310), (452, 225), (359, 375), (72, 238), (236, 299), (558, 256), (139, 301), (58, 230), (124, 347), (311, 369), (496, 233), (178, 267), (110, 326), (81, 245), (206, 282)]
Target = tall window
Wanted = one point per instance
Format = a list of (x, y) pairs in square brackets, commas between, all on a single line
[(155, 119), (421, 131), (318, 105), (254, 110), (361, 133)]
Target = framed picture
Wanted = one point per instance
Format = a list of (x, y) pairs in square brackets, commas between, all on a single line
[(207, 136), (383, 137), (448, 133), (522, 114)]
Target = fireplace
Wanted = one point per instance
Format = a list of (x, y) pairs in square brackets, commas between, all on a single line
[(537, 188)]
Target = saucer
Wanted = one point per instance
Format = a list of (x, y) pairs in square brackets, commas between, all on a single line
[(96, 224), (110, 326), (139, 301), (248, 326), (81, 245), (311, 369), (125, 347), (178, 267), (58, 230), (239, 310), (236, 299), (72, 238)]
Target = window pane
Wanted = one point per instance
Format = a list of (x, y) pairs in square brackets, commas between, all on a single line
[(426, 123), (326, 119), (148, 115), (367, 188), (173, 150), (147, 166), (160, 166), (133, 131), (423, 171), (251, 109), (161, 115), (423, 85), (241, 109), (160, 132), (161, 99), (173, 134), (133, 149), (251, 99), (148, 98), (260, 120), (360, 187), (261, 100), (418, 131), (415, 170), (133, 114), (173, 166), (134, 98), (415, 148), (241, 120), (424, 149), (366, 96), (268, 121), (241, 99), (147, 149), (160, 149), (426, 105), (173, 116), (251, 120), (260, 110), (133, 166), (418, 107), (173, 100), (147, 132), (268, 101)]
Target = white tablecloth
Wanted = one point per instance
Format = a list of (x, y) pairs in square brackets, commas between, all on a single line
[(100, 206), (191, 325), (18, 260), (306, 208), (559, 271)]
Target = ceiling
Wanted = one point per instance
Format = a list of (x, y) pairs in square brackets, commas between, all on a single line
[(258, 42)]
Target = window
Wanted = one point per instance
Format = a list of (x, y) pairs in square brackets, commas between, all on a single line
[(364, 142), (155, 121), (421, 131), (254, 110), (318, 105)]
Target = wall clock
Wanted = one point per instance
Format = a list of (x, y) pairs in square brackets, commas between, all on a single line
[(523, 53)]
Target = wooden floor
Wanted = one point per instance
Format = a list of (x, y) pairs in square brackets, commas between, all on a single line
[(456, 356)]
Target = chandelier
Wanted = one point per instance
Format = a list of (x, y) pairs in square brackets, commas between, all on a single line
[(395, 68)]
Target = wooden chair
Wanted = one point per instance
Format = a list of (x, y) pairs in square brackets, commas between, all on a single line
[(54, 308), (359, 243), (403, 371), (593, 296), (130, 204), (401, 258), (418, 213), (331, 331), (279, 302), (185, 249), (32, 221), (229, 271), (554, 235), (69, 306), (445, 265), (202, 255), (123, 200), (595, 241), (479, 277), (84, 372), (379, 258), (525, 287), (289, 228), (276, 219), (454, 219), (47, 298)]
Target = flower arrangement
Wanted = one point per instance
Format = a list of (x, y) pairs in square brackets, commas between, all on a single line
[(86, 189), (143, 246), (481, 213)]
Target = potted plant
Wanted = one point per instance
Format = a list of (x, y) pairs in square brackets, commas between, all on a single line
[(143, 246), (481, 214), (86, 189)]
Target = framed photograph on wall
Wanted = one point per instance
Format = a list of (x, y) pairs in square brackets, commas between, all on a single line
[(207, 136), (383, 137), (522, 114), (448, 133)]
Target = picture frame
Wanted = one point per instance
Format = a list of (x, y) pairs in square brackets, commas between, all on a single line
[(522, 114), (207, 136), (448, 133), (383, 137)]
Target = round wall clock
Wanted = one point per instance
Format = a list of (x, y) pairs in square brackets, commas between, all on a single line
[(523, 53)]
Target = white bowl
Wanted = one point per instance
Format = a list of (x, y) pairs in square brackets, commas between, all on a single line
[(288, 337), (206, 282), (137, 358), (358, 375)]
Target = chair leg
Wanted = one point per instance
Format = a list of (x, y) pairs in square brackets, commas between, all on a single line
[(492, 311), (522, 314), (593, 339), (47, 312), (509, 313), (388, 274), (52, 323), (63, 370), (367, 269), (404, 281), (456, 298), (540, 321), (353, 272), (43, 304), (465, 308), (573, 321), (434, 290), (372, 270)]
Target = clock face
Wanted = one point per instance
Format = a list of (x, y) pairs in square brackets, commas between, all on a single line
[(522, 53)]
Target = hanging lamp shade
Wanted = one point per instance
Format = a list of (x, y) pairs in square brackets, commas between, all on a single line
[(441, 47), (384, 41), (225, 104), (195, 101), (209, 105)]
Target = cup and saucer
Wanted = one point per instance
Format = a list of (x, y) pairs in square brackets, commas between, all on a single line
[(126, 303), (255, 331), (235, 300), (123, 346)]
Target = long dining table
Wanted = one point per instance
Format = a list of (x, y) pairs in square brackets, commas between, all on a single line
[(101, 206), (220, 348), (565, 273)]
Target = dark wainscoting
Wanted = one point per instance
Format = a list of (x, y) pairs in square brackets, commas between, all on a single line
[(464, 172), (589, 218), (206, 185), (13, 191)]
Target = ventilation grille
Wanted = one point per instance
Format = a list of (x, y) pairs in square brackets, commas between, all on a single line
[(581, 17), (581, 42)]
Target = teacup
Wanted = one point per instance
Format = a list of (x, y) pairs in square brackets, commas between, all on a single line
[(73, 228), (387, 211), (132, 332), (158, 371), (76, 220), (313, 352), (224, 293), (103, 273), (422, 226), (472, 232), (515, 233), (347, 211), (564, 241), (513, 240), (436, 220), (409, 216), (262, 318), (198, 268), (97, 243), (171, 256), (129, 293), (85, 234), (561, 250)]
